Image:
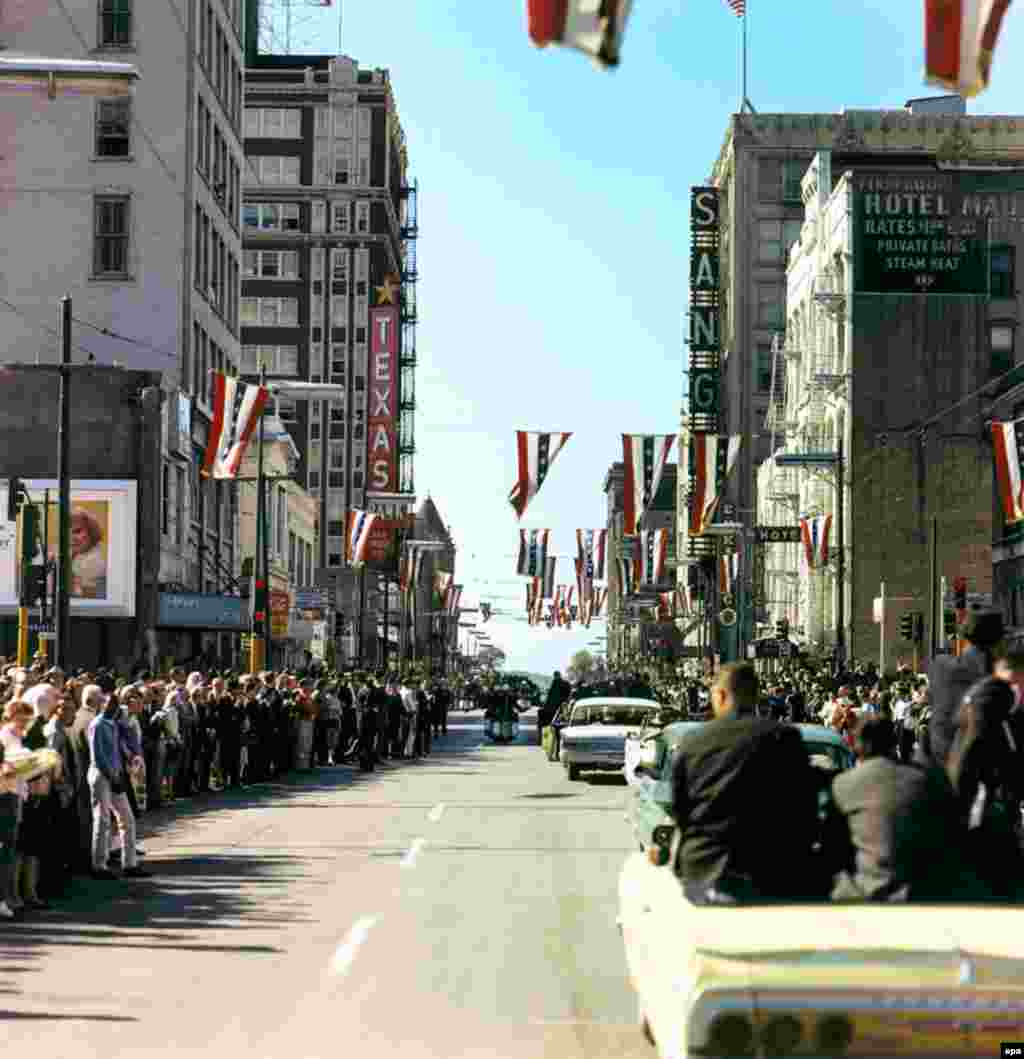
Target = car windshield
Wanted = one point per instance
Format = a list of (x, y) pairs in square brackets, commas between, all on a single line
[(611, 714)]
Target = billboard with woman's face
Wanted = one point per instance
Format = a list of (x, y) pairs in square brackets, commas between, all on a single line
[(102, 545)]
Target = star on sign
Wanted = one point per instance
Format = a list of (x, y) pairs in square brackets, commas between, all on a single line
[(387, 290)]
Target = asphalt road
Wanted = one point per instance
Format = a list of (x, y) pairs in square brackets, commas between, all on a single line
[(463, 905)]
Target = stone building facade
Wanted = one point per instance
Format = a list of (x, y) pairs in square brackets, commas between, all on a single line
[(760, 173), (888, 355)]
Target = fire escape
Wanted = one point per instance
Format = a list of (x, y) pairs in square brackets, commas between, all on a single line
[(407, 358)]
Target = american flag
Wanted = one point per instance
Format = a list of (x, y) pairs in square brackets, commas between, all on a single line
[(739, 6)]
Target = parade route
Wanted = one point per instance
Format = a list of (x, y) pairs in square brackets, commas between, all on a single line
[(462, 905)]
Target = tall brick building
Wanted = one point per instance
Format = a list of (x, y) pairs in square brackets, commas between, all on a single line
[(329, 277)]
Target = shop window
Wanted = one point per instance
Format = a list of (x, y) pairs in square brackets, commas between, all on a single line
[(1001, 277)]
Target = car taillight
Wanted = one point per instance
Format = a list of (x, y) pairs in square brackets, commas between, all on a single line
[(730, 1035), (834, 1034), (781, 1035)]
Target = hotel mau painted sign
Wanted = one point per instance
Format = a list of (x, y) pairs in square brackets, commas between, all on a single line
[(924, 232)]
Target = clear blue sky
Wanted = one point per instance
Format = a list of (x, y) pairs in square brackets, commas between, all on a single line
[(554, 247)]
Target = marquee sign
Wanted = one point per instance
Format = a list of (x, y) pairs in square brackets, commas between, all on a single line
[(929, 232), (705, 333)]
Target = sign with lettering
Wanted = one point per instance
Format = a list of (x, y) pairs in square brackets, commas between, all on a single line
[(931, 232), (777, 534), (705, 330), (382, 421)]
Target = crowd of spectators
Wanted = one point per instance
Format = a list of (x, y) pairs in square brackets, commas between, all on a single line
[(123, 747)]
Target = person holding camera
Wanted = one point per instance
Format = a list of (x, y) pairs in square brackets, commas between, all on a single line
[(108, 782)]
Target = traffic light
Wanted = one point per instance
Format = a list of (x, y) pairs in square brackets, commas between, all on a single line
[(35, 584), (959, 593), (907, 625), (918, 627), (259, 605), (949, 622)]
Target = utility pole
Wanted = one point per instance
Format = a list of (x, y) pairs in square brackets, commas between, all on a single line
[(62, 615), (934, 602), (841, 560)]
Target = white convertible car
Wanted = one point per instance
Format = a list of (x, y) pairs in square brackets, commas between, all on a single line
[(595, 736), (819, 979)]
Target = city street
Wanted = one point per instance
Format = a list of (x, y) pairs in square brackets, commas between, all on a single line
[(463, 905)]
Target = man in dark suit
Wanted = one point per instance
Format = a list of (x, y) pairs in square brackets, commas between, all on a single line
[(949, 678), (744, 797), (893, 832)]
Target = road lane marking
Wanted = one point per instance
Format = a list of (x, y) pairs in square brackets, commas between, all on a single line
[(409, 860), (347, 950), (436, 813)]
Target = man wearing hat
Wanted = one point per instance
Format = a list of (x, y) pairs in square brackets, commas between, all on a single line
[(949, 678)]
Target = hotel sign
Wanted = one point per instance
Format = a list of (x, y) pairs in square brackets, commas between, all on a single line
[(930, 232)]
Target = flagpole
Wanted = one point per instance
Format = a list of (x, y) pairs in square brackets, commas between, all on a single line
[(743, 100), (259, 594)]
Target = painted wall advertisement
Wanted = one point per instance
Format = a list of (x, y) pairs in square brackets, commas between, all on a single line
[(931, 232), (382, 537), (382, 421), (103, 545)]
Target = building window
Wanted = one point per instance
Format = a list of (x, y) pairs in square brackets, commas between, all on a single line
[(341, 166), (270, 217), (769, 179), (113, 127), (287, 410), (1001, 272), (335, 479), (179, 496), (764, 367), (1001, 343), (271, 264), (272, 123), (771, 305), (336, 459), (276, 169), (278, 360), (270, 312), (110, 235), (774, 238), (115, 23), (339, 310), (362, 218), (341, 223), (793, 170)]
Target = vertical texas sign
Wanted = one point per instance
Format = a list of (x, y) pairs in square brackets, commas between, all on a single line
[(382, 418)]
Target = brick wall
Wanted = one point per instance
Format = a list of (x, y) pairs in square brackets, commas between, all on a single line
[(915, 357)]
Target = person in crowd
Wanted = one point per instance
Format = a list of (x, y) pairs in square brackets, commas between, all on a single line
[(423, 713), (949, 679), (92, 702), (107, 780), (892, 829), (228, 724), (730, 847), (984, 767), (558, 693)]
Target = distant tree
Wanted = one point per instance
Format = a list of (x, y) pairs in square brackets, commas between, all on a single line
[(581, 666)]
